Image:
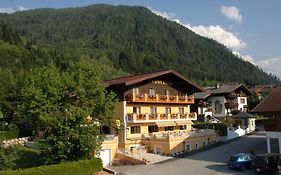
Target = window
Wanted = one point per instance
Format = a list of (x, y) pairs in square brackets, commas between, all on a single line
[(136, 91), (182, 127), (167, 110), (153, 110), (169, 128), (136, 109), (242, 100), (152, 128), (181, 110), (167, 92), (135, 130), (152, 91)]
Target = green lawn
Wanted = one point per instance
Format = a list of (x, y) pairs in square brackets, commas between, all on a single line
[(27, 158)]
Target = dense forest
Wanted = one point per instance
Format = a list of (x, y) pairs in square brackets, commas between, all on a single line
[(19, 56), (134, 40)]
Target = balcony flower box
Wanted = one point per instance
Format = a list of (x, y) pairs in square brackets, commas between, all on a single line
[(172, 97), (182, 98), (140, 96), (193, 115), (152, 97), (190, 98), (174, 115), (153, 115), (163, 97), (141, 116), (183, 116)]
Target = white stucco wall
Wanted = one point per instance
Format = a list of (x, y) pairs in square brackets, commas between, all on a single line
[(241, 105)]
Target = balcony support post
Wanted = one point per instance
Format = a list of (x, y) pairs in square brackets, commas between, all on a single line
[(268, 145)]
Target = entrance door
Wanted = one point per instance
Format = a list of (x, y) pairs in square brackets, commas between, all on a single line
[(105, 155)]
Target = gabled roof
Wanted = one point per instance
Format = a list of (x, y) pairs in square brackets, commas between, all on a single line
[(272, 103), (130, 80), (202, 95), (228, 88), (243, 115)]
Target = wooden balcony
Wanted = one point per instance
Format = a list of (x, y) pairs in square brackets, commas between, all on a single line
[(229, 105), (140, 118), (160, 98)]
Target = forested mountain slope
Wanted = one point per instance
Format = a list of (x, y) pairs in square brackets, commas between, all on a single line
[(136, 40)]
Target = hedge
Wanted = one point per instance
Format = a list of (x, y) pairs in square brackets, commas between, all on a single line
[(220, 128), (9, 134), (82, 167)]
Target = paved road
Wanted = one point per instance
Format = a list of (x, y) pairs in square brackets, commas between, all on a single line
[(209, 162)]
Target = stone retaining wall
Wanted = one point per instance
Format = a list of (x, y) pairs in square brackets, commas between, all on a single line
[(15, 141)]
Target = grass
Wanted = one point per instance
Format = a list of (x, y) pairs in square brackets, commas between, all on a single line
[(27, 158)]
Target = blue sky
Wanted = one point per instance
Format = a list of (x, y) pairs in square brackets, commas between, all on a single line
[(250, 28)]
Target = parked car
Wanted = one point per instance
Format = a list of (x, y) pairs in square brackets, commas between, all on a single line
[(241, 161), (268, 162)]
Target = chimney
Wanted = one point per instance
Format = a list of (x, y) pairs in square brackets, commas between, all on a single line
[(217, 86)]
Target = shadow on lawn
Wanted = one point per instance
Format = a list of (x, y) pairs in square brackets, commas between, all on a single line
[(27, 158)]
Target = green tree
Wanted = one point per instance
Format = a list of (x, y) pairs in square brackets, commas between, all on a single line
[(7, 156), (66, 107)]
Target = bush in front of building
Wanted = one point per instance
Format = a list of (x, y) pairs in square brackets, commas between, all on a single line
[(220, 128), (83, 167)]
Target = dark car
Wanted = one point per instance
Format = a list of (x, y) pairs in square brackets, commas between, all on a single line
[(241, 161), (268, 162)]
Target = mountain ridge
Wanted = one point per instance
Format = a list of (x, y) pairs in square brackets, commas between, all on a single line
[(135, 40)]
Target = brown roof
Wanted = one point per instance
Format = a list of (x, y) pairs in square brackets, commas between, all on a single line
[(228, 88), (243, 115), (130, 80), (272, 103)]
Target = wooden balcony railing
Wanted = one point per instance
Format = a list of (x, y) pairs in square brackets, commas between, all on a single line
[(132, 117), (160, 98)]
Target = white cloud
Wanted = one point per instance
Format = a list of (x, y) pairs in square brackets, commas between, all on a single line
[(232, 13), (217, 33), (12, 10), (271, 65), (244, 57), (21, 8), (166, 15), (6, 10)]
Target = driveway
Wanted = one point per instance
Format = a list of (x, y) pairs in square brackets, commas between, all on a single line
[(208, 162)]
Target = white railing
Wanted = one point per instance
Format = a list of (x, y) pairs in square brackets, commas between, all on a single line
[(185, 134)]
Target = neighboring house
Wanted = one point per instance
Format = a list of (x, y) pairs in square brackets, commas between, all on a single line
[(222, 101), (245, 121), (271, 107), (154, 110)]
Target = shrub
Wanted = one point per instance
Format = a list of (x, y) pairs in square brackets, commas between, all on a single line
[(82, 167), (7, 157), (9, 134)]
